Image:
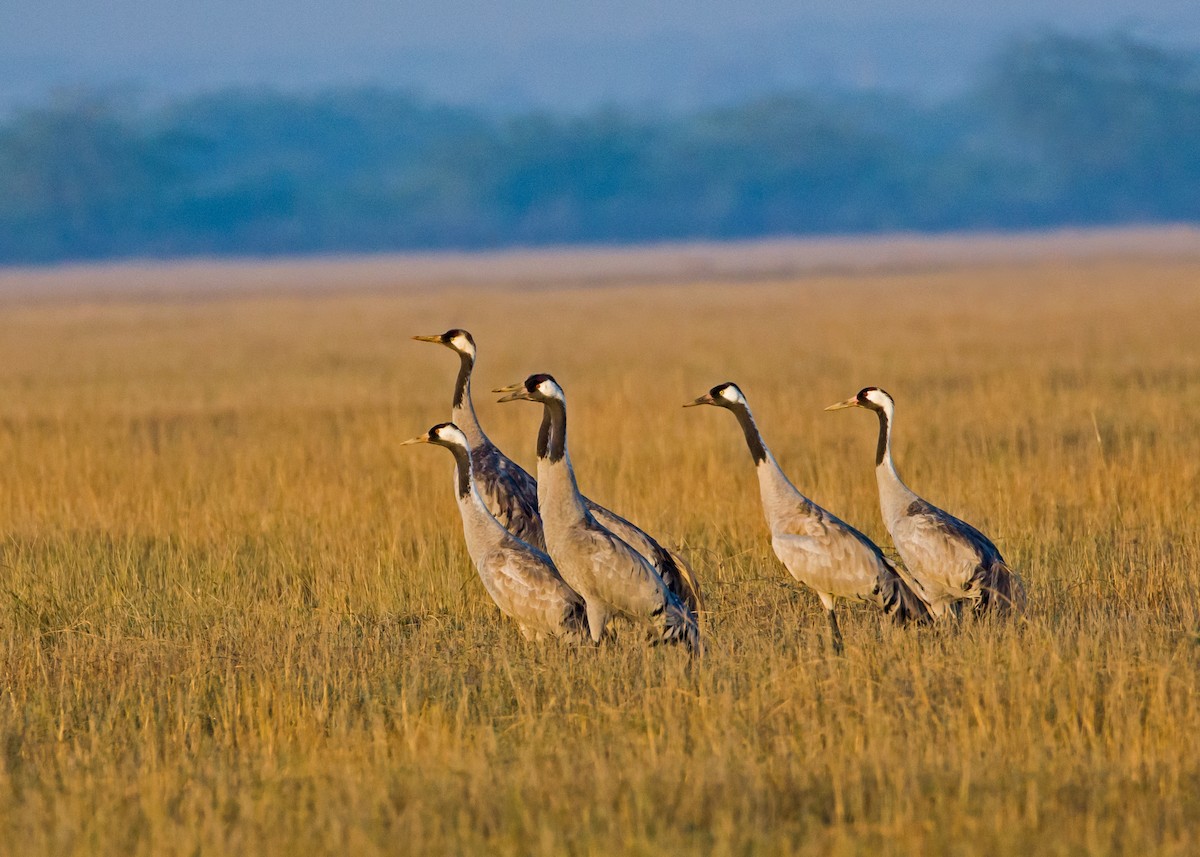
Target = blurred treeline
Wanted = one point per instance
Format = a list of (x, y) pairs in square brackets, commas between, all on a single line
[(1055, 130)]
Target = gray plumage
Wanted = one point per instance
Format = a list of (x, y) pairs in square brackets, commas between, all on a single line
[(675, 573), (519, 577), (948, 558), (511, 493), (508, 491), (612, 577), (817, 548)]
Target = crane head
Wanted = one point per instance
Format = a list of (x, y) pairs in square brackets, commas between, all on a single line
[(536, 388), (456, 339), (725, 395), (443, 434), (872, 398)]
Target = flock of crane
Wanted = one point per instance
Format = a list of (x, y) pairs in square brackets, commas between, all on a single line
[(561, 565)]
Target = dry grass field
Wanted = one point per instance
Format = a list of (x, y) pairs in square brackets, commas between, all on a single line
[(236, 617)]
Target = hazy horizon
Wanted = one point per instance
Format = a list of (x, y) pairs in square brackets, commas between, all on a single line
[(537, 54)]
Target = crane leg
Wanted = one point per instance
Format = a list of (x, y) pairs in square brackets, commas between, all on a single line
[(835, 632), (597, 619)]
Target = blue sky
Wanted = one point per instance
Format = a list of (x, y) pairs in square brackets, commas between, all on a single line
[(537, 52)]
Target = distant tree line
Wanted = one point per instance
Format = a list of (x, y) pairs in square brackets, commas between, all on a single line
[(1057, 130)]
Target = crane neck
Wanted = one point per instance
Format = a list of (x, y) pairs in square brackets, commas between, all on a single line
[(883, 448), (758, 450), (462, 408), (779, 495), (480, 528), (543, 438), (559, 500), (552, 436), (894, 495), (462, 466)]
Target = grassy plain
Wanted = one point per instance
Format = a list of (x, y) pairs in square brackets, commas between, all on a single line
[(236, 617)]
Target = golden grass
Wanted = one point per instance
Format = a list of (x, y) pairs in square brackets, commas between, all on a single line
[(235, 617)]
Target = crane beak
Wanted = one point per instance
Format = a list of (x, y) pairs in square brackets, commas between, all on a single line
[(849, 403), (516, 392), (706, 399), (436, 339), (424, 438)]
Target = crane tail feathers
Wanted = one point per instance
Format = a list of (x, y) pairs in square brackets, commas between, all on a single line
[(1002, 592), (677, 625), (900, 601), (684, 583), (575, 624)]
